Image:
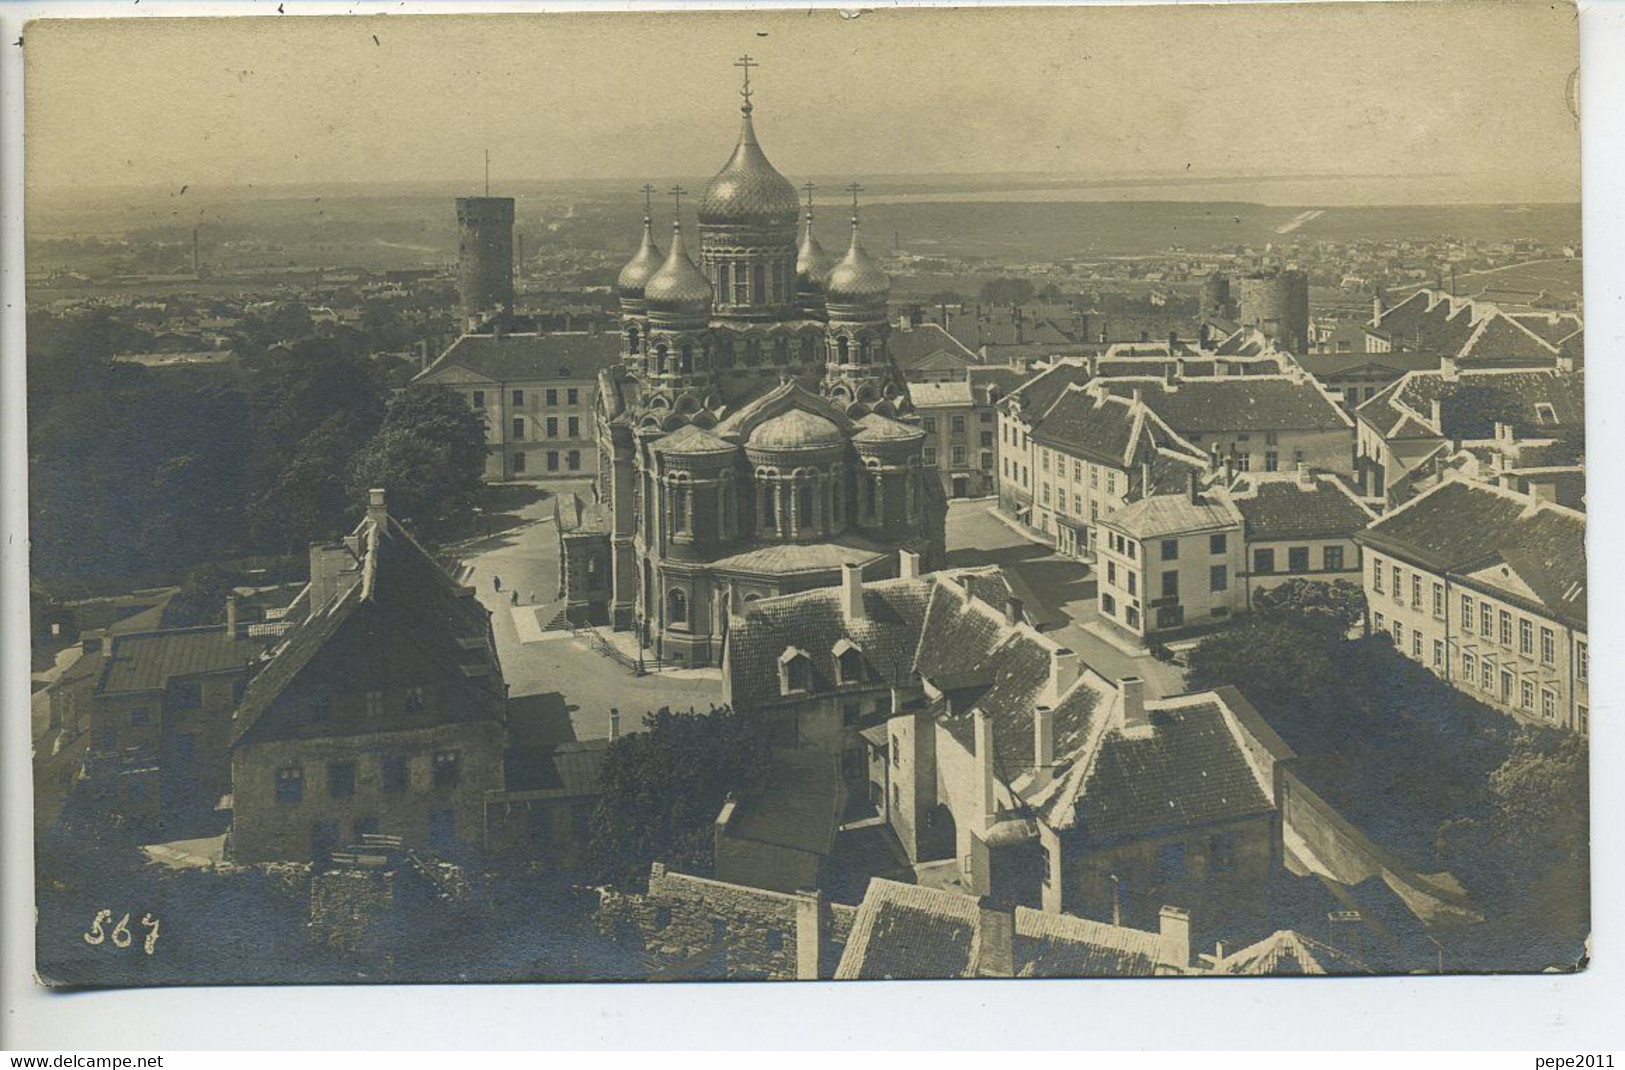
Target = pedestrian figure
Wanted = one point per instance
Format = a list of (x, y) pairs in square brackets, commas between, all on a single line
[(496, 583), (513, 598)]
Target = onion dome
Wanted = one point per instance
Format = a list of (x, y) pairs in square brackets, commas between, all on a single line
[(748, 191), (678, 287), (857, 279), (638, 270), (813, 265), (796, 429)]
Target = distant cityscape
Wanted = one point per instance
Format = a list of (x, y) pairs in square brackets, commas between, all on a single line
[(767, 591)]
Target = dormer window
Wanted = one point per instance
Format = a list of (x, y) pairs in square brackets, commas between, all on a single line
[(795, 672), (1545, 415), (848, 662)]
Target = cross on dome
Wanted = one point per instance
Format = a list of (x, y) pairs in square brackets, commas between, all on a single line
[(745, 63)]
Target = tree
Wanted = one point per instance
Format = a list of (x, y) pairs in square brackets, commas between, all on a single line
[(429, 455), (201, 599), (1339, 602), (662, 788), (1006, 291)]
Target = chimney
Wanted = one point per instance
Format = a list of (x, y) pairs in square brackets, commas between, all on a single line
[(1043, 746), (852, 607), (614, 723), (1194, 484), (810, 941), (423, 354), (908, 564), (1305, 479), (327, 563), (1013, 611), (725, 816), (1131, 690), (1174, 938), (1448, 370), (1436, 413), (231, 615), (985, 779), (1064, 667), (995, 939), (377, 512)]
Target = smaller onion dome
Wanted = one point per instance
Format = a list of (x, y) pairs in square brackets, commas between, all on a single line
[(796, 429), (645, 262), (857, 279), (813, 265), (678, 286)]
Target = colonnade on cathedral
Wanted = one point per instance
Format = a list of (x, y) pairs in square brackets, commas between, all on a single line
[(757, 435)]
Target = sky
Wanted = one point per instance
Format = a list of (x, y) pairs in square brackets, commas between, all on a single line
[(1476, 89)]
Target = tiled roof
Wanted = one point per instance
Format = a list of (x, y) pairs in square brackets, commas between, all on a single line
[(562, 771), (783, 559), (1238, 403), (800, 806), (1060, 945), (1289, 953), (515, 357), (1038, 393), (1471, 331), (955, 394), (1188, 770), (1108, 429), (1172, 514), (1463, 399), (927, 342), (812, 621), (1333, 365), (1281, 507), (1461, 524), (906, 931), (147, 661)]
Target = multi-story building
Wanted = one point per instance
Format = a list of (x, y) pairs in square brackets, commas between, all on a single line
[(1299, 525), (382, 709), (958, 420), (537, 394), (1019, 412), (1487, 588)]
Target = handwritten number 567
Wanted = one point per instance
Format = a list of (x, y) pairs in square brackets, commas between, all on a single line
[(119, 936)]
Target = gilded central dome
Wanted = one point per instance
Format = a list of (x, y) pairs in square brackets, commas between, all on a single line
[(748, 191)]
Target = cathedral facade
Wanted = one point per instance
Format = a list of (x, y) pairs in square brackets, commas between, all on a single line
[(756, 436)]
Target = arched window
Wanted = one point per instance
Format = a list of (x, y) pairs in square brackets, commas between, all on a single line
[(778, 283), (781, 350), (724, 355), (863, 351), (753, 353), (758, 279), (842, 346), (869, 495), (851, 665), (741, 287), (804, 506), (809, 349), (679, 505), (770, 511), (660, 359), (632, 339), (685, 360), (722, 281), (676, 606)]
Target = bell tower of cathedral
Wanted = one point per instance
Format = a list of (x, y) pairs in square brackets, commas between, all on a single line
[(858, 371)]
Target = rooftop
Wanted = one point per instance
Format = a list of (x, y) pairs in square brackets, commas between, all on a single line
[(504, 358), (148, 661)]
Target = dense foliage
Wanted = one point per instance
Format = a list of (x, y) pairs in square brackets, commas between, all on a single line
[(139, 475), (663, 787), (1338, 602)]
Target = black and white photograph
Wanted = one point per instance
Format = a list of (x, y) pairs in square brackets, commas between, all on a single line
[(807, 495)]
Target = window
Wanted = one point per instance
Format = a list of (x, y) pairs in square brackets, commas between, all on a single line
[(1548, 647), (518, 427), (1438, 600), (290, 784), (928, 424), (1263, 562), (1043, 459), (1270, 438), (1416, 591), (1438, 653), (1376, 574), (1377, 620), (572, 460), (552, 460), (1331, 558), (448, 768), (1399, 590), (1416, 645), (1218, 578), (987, 439), (518, 399), (1133, 549), (340, 780), (896, 757), (1170, 584), (394, 774), (676, 606), (1399, 636), (1526, 695), (572, 396), (552, 427), (1582, 662), (1133, 582), (479, 399), (1094, 477), (1506, 628), (679, 507), (1217, 544), (1111, 573), (1272, 461), (1221, 853), (1297, 559), (1170, 549), (519, 461), (1111, 482), (798, 673), (1171, 862), (1467, 613), (1488, 668), (553, 395), (1469, 667), (1548, 704), (928, 456), (1108, 605), (1486, 620), (574, 427), (959, 456), (956, 423), (1506, 686)]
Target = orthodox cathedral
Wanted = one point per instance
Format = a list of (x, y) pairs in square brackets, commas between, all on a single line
[(756, 437)]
